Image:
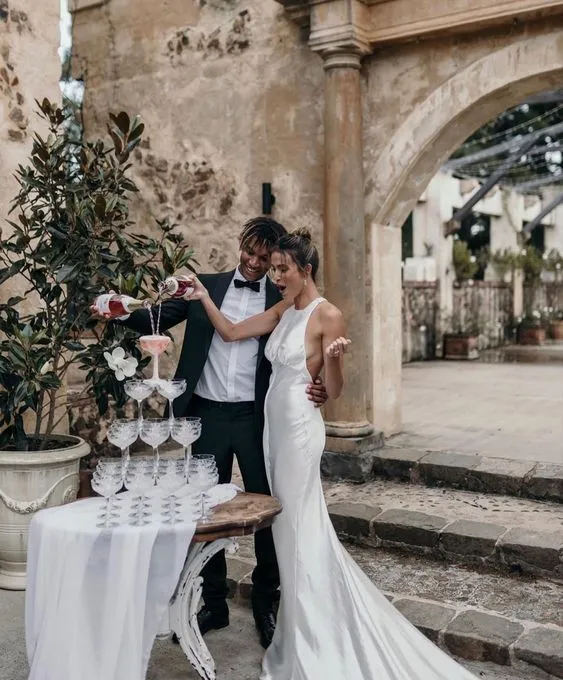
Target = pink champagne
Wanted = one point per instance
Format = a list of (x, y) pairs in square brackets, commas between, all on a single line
[(112, 305), (177, 286)]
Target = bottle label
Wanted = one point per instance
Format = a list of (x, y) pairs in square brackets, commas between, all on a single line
[(102, 303)]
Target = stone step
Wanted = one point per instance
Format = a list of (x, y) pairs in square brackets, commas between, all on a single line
[(502, 533), (477, 616), (418, 465)]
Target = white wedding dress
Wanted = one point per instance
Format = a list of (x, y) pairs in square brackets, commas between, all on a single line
[(333, 623)]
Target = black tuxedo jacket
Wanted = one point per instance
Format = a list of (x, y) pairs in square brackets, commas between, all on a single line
[(198, 335)]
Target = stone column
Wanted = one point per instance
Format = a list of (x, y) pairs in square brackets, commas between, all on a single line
[(344, 259), (385, 246)]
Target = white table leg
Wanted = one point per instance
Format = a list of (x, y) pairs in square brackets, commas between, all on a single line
[(185, 605)]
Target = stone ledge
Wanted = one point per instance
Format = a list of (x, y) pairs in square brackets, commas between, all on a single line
[(352, 519), (468, 633), (482, 637), (430, 618), (546, 482), (467, 537), (460, 540), (351, 467), (532, 551), (450, 469), (542, 647), (408, 527), (542, 481)]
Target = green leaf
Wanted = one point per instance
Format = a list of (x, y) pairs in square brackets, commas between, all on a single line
[(74, 346), (66, 272)]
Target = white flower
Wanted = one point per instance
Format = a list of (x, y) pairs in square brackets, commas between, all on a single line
[(122, 367)]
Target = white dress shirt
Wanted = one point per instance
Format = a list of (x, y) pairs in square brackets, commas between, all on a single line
[(230, 370)]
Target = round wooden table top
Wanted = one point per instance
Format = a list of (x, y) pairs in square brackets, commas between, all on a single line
[(245, 514)]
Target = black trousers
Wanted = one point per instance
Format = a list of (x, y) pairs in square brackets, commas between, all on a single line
[(228, 430)]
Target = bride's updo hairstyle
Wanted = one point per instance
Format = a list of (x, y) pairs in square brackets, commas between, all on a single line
[(298, 245)]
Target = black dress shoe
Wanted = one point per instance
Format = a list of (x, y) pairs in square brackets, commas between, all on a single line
[(209, 619), (266, 625)]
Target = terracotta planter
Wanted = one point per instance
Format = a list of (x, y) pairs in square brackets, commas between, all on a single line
[(31, 481), (556, 330), (458, 346), (530, 335)]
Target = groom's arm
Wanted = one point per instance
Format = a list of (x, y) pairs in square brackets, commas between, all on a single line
[(316, 391)]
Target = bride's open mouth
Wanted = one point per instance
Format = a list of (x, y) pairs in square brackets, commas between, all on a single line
[(281, 288)]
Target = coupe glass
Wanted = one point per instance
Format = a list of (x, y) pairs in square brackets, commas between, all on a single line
[(171, 389), (204, 460), (154, 432), (170, 479), (186, 431), (122, 433), (139, 478), (107, 481), (155, 346), (138, 390), (203, 478)]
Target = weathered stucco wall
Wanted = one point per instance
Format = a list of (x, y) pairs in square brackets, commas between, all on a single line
[(30, 69), (231, 96)]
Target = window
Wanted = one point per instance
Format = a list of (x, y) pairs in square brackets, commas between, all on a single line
[(537, 238), (407, 248)]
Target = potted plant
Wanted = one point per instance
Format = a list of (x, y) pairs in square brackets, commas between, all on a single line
[(531, 329), (504, 263), (69, 239), (462, 341), (464, 262), (554, 265), (556, 325)]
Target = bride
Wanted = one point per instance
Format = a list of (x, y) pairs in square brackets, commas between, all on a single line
[(333, 623)]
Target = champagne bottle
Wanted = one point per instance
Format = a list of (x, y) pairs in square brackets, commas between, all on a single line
[(177, 286), (113, 306)]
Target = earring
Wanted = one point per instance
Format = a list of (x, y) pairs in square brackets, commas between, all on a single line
[(304, 284)]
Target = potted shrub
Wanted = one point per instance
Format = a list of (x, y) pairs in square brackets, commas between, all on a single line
[(503, 263), (462, 342), (69, 240), (531, 329), (462, 339), (556, 325), (554, 265)]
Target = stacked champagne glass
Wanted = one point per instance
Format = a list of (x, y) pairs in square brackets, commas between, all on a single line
[(182, 484)]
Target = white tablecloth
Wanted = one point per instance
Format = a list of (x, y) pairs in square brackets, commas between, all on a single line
[(96, 598)]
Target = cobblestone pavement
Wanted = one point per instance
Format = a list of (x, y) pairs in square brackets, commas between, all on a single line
[(505, 410), (235, 649), (451, 503)]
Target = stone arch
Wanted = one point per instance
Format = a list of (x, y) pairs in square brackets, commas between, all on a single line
[(451, 113)]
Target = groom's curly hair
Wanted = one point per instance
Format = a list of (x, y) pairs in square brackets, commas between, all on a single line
[(261, 231)]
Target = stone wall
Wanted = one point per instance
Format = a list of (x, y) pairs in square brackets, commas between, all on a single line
[(231, 97), (30, 69)]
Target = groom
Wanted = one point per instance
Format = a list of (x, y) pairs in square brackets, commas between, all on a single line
[(226, 388)]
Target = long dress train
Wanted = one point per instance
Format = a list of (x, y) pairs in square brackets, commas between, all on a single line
[(333, 623)]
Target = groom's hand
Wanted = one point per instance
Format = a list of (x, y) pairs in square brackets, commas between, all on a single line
[(317, 392)]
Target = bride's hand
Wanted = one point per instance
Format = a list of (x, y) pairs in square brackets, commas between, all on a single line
[(338, 347), (199, 290)]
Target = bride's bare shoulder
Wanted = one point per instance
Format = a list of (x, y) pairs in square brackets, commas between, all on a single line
[(330, 313)]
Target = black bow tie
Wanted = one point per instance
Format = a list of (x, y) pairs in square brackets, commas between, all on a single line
[(253, 285)]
